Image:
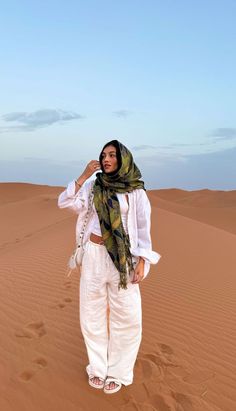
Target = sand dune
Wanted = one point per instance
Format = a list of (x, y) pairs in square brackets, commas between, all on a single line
[(187, 359), (217, 208)]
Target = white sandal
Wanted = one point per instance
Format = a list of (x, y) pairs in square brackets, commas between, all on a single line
[(98, 386), (113, 390)]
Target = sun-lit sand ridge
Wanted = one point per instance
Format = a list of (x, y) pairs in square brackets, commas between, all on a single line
[(187, 359)]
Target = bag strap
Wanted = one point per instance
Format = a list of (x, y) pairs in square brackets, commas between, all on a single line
[(90, 203)]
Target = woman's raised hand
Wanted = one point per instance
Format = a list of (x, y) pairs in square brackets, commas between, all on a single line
[(91, 167)]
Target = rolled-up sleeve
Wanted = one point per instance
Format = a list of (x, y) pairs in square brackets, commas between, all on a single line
[(143, 211), (74, 201)]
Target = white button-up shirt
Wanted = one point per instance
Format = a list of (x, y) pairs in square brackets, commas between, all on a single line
[(138, 219)]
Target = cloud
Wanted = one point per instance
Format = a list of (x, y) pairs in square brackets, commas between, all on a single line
[(149, 147), (189, 144), (184, 144), (143, 147), (37, 119), (168, 147), (122, 113), (161, 158), (224, 133)]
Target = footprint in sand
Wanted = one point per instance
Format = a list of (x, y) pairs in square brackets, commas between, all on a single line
[(166, 400), (189, 402), (164, 403), (166, 354), (199, 376), (183, 400), (151, 367), (26, 375), (166, 349), (68, 300), (161, 380), (31, 330), (39, 363), (65, 300), (146, 369), (173, 400), (150, 373), (62, 304), (162, 358), (156, 402)]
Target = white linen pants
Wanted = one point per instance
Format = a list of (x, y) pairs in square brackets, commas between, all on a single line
[(110, 353)]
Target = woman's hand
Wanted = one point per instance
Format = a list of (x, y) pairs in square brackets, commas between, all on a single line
[(138, 271), (91, 167)]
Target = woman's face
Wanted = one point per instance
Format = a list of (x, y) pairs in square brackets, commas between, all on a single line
[(109, 159)]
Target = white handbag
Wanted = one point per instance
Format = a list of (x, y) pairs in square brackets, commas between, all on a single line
[(76, 258)]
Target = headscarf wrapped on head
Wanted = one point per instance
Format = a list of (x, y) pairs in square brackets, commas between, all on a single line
[(125, 179)]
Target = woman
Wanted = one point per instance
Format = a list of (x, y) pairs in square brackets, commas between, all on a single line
[(117, 256)]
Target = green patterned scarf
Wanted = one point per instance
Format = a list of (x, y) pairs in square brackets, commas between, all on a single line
[(125, 179)]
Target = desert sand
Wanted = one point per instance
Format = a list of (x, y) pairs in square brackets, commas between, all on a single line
[(187, 359)]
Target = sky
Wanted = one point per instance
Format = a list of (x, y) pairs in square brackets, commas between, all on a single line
[(159, 76)]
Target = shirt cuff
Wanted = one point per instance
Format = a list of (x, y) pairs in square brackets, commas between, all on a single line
[(150, 256), (71, 189)]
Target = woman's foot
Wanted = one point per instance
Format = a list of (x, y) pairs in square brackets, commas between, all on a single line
[(112, 385), (96, 382)]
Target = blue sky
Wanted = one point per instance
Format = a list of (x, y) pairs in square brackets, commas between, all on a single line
[(157, 75)]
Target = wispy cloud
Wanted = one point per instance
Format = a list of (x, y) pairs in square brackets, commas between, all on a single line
[(159, 159), (143, 147), (189, 144), (29, 121), (171, 146), (224, 133), (122, 113), (184, 144)]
